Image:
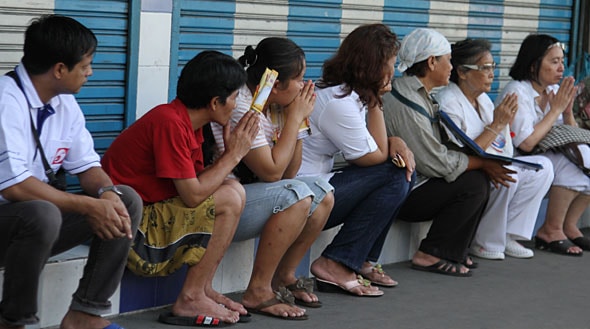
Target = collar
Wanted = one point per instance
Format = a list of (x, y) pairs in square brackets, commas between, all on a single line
[(30, 91)]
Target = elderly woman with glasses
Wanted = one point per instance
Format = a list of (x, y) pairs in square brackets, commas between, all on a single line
[(511, 211), (542, 103), (452, 187)]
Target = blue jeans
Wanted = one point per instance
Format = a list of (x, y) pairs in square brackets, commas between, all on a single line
[(367, 200), (31, 231)]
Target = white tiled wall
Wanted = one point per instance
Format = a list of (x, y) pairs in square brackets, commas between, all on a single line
[(154, 61)]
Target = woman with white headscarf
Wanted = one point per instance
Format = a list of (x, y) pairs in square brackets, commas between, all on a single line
[(452, 187)]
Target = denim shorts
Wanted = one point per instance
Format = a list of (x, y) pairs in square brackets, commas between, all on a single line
[(265, 199)]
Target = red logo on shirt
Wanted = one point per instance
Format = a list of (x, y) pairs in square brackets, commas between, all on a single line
[(60, 155)]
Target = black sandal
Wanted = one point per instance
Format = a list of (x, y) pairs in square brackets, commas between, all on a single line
[(582, 242), (443, 267), (560, 247), (470, 266)]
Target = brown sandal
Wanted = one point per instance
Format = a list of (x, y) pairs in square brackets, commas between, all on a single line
[(283, 296), (303, 284)]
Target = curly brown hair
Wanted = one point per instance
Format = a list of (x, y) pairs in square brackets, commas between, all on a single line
[(359, 62)]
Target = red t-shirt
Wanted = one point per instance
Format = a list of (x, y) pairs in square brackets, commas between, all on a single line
[(157, 148)]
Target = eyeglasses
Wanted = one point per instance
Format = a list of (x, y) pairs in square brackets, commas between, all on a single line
[(557, 44), (489, 67)]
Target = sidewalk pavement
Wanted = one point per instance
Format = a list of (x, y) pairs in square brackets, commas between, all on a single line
[(547, 291)]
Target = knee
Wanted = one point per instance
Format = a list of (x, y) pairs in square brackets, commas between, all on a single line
[(132, 202), (41, 220), (547, 171), (328, 202), (230, 198), (304, 205)]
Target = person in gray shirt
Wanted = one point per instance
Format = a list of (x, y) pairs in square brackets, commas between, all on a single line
[(452, 187)]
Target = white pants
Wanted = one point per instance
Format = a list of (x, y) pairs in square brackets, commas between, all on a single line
[(513, 210), (567, 175)]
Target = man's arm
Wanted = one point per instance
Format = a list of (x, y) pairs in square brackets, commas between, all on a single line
[(193, 191), (107, 216)]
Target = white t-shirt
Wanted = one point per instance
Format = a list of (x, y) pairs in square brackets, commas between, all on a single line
[(66, 141), (528, 115), (338, 125), (453, 101)]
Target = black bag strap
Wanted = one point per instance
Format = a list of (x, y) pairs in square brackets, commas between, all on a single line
[(48, 171), (413, 105)]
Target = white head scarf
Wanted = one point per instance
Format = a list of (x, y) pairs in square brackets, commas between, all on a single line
[(419, 45)]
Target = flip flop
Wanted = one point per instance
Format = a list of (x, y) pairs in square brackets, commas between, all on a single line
[(273, 301), (190, 321), (245, 318), (443, 267), (303, 284), (558, 246), (113, 326), (329, 286), (582, 242)]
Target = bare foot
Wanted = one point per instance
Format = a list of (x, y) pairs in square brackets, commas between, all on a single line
[(253, 300), (226, 301), (329, 270), (423, 259), (376, 275), (80, 320), (203, 305)]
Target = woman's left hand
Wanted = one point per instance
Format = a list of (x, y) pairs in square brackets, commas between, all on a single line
[(397, 147)]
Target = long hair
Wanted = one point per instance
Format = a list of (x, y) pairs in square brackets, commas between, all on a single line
[(360, 60), (529, 58)]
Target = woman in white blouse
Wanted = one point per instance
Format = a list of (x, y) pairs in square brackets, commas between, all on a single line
[(542, 103), (511, 211)]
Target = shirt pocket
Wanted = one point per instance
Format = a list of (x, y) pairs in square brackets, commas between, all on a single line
[(56, 152)]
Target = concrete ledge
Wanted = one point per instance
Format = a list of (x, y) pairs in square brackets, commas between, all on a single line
[(60, 276)]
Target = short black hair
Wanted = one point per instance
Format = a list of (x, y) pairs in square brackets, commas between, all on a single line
[(53, 39), (529, 58), (466, 52), (209, 74)]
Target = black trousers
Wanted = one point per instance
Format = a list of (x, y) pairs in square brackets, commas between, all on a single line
[(455, 210), (32, 231)]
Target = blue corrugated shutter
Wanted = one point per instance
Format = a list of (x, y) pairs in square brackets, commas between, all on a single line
[(103, 98)]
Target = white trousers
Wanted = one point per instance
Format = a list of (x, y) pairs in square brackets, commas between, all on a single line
[(513, 210)]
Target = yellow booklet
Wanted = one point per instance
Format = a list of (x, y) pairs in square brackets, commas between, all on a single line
[(263, 89), (275, 114)]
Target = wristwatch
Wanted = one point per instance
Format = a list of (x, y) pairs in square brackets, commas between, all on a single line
[(111, 188)]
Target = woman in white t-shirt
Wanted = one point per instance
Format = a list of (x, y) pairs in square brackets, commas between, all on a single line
[(511, 211), (370, 190), (542, 103)]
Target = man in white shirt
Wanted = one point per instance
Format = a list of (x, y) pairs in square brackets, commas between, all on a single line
[(40, 119)]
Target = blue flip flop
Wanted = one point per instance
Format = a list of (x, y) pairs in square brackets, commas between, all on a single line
[(113, 326)]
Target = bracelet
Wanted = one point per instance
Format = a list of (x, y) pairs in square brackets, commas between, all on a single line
[(492, 130)]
